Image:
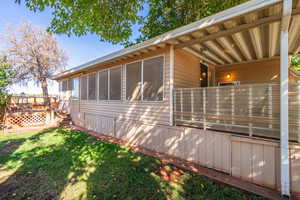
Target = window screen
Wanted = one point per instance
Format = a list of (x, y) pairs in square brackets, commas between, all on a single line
[(153, 79), (70, 84), (115, 83), (83, 88), (64, 86), (133, 81), (92, 86), (103, 85), (75, 88)]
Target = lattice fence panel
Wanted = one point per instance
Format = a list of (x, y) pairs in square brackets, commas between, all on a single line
[(27, 119)]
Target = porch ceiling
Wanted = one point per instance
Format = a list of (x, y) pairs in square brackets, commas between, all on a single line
[(248, 32), (250, 37)]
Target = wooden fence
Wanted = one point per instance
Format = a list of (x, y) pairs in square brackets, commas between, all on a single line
[(253, 110)]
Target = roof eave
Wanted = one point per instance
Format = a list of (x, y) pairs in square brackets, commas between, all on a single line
[(231, 13)]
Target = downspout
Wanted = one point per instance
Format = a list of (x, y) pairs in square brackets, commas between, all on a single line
[(284, 107), (171, 85)]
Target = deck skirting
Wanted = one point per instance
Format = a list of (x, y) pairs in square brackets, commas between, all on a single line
[(250, 159)]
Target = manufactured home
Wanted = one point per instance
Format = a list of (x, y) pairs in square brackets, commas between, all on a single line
[(218, 92)]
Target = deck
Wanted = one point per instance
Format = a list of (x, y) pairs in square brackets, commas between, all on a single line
[(252, 110)]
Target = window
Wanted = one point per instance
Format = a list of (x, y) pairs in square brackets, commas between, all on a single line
[(147, 73), (64, 86), (115, 83), (110, 84), (70, 84), (103, 85), (92, 86), (153, 79), (75, 88), (133, 81), (83, 88)]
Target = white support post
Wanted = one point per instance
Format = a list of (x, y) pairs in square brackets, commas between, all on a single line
[(181, 104), (270, 109), (108, 84), (192, 104), (204, 108), (250, 106), (284, 107), (171, 85), (142, 80)]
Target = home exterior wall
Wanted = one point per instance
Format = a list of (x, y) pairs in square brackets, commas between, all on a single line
[(186, 74), (267, 71), (150, 112), (147, 124), (249, 73), (186, 70)]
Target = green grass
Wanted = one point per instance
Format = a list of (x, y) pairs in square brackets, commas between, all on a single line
[(67, 164)]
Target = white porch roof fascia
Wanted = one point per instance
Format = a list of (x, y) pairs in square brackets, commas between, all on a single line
[(171, 37)]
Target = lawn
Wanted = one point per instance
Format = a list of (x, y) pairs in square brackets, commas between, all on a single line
[(66, 164)]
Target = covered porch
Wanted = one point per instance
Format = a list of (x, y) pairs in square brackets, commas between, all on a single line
[(264, 100)]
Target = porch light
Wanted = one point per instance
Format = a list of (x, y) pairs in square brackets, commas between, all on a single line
[(228, 76)]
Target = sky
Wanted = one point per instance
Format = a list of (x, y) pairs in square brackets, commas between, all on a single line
[(78, 49)]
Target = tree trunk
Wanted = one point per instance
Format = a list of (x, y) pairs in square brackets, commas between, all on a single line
[(44, 86)]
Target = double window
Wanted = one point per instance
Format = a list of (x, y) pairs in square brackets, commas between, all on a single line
[(144, 80), (110, 84), (88, 87)]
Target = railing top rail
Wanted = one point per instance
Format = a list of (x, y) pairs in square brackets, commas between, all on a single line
[(17, 96), (236, 86)]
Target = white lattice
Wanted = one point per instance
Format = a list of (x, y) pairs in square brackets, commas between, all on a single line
[(26, 119)]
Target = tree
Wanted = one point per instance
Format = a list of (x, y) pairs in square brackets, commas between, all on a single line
[(112, 20), (34, 55), (295, 62), (6, 76), (166, 15)]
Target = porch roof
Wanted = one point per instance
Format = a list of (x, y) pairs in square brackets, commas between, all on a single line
[(247, 32)]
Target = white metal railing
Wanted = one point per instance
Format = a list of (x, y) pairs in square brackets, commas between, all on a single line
[(252, 110)]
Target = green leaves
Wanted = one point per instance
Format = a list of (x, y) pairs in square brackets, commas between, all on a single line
[(6, 76), (166, 15), (295, 62), (112, 20)]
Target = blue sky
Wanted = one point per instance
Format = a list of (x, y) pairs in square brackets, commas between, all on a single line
[(78, 49)]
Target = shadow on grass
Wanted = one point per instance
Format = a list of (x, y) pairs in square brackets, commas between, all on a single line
[(70, 168), (67, 164)]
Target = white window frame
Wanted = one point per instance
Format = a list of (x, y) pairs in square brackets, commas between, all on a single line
[(96, 84), (72, 97), (64, 92), (108, 84), (87, 86), (142, 78)]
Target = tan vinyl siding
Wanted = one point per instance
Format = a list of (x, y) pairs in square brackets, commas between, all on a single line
[(150, 112), (186, 70)]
